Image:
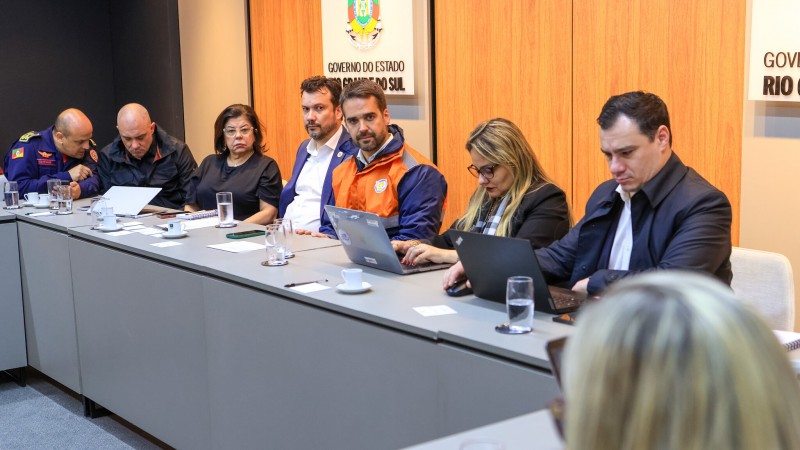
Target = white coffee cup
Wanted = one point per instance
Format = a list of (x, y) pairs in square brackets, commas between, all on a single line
[(44, 200), (175, 227), (352, 278), (110, 222), (32, 198)]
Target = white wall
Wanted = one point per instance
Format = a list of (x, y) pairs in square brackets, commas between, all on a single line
[(770, 175), (215, 65)]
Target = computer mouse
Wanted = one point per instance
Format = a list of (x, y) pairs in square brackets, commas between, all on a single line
[(459, 289)]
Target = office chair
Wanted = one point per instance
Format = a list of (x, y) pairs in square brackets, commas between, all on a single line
[(764, 280)]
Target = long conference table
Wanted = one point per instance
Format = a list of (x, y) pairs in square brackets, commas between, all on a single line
[(204, 348)]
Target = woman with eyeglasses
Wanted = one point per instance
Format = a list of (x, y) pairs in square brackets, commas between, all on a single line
[(673, 360), (514, 198), (240, 167)]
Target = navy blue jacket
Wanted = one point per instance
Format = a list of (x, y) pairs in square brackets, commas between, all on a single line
[(172, 169), (34, 159), (344, 148), (679, 220)]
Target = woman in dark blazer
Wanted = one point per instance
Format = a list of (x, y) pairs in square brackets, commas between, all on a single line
[(514, 197)]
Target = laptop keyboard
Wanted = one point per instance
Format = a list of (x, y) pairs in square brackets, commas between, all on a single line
[(565, 301)]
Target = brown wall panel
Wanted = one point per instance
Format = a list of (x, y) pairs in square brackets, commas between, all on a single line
[(286, 48), (687, 52), (502, 59)]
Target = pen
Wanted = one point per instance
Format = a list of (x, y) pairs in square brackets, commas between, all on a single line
[(304, 282)]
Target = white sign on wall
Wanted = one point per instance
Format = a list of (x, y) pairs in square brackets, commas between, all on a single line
[(369, 39), (775, 51)]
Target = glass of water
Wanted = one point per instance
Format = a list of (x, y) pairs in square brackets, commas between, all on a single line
[(64, 199), (225, 209), (275, 240), (519, 304), (11, 195), (288, 230), (53, 185)]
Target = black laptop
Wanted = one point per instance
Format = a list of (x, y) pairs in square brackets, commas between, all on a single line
[(489, 261)]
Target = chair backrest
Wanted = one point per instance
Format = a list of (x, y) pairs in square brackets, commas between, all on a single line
[(764, 279)]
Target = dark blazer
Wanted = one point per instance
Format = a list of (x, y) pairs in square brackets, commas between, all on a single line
[(542, 217), (344, 148), (680, 221)]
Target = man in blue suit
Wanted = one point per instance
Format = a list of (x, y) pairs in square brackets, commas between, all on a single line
[(304, 197), (655, 214)]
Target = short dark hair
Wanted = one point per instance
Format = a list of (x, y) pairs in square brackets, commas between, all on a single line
[(317, 84), (648, 110), (232, 112), (364, 88)]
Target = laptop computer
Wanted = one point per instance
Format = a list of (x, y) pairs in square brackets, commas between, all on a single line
[(489, 260), (366, 242)]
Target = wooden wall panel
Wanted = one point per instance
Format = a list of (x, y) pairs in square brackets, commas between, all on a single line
[(286, 48), (502, 59), (689, 53)]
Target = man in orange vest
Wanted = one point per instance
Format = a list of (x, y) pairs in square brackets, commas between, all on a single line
[(386, 177)]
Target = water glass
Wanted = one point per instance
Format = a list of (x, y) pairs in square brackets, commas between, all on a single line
[(64, 199), (52, 184), (519, 305), (288, 231), (11, 195), (225, 209), (97, 210), (275, 240)]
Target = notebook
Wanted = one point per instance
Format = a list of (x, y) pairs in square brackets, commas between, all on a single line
[(790, 340), (129, 200), (197, 215), (366, 242), (489, 260)]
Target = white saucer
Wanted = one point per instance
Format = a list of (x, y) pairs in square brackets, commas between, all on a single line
[(346, 290), (107, 230), (175, 236), (40, 205)]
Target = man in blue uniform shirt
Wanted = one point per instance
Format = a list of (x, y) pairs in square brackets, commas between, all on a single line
[(146, 156), (64, 151), (304, 198)]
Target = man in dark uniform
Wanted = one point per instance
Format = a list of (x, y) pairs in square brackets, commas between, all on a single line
[(64, 151), (144, 155)]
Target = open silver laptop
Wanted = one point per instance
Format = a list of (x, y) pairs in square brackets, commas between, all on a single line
[(366, 242)]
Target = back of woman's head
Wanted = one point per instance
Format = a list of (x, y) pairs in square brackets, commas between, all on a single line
[(673, 360)]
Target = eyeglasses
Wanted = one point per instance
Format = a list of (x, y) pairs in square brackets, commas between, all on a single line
[(231, 132), (486, 171)]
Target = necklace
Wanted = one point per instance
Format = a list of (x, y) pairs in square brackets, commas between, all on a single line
[(232, 164)]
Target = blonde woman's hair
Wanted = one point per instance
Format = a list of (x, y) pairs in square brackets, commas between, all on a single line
[(673, 360), (501, 142)]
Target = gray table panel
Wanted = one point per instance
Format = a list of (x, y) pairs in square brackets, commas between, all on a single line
[(141, 330), (533, 431), (48, 303), (288, 375), (12, 320), (56, 222)]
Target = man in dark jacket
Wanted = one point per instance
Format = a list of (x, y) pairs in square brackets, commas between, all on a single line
[(656, 213), (144, 155)]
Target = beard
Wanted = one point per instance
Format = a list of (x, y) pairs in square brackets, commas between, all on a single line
[(319, 132)]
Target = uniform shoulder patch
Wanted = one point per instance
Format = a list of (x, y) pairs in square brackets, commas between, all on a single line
[(93, 155), (27, 136), (45, 155), (18, 153)]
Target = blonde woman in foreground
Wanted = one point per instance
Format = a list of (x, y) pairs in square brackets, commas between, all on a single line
[(673, 360)]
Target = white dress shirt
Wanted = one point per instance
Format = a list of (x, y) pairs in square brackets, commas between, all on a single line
[(620, 258), (304, 209)]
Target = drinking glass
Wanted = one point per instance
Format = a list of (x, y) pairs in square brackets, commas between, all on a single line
[(52, 184), (11, 195), (288, 231), (275, 240), (64, 199), (225, 209), (519, 305), (97, 210)]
